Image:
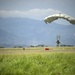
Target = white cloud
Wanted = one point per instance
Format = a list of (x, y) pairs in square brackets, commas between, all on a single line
[(14, 13), (38, 14), (34, 13)]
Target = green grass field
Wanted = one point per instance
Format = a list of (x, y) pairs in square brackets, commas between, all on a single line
[(38, 64)]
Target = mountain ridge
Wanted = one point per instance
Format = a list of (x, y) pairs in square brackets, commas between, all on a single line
[(25, 31)]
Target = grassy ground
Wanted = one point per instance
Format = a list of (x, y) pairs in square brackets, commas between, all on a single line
[(38, 64)]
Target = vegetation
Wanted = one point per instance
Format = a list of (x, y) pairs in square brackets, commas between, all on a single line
[(1, 47), (38, 64)]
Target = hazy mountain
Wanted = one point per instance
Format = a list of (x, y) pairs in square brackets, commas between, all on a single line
[(9, 39), (26, 31)]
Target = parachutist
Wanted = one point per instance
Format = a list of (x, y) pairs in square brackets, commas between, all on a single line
[(58, 43)]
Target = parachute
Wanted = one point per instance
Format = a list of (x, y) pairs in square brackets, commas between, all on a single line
[(51, 18)]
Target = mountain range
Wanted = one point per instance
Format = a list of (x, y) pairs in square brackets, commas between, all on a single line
[(26, 31)]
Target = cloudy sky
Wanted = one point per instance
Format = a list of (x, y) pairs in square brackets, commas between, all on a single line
[(36, 9)]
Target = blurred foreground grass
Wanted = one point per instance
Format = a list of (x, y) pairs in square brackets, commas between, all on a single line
[(38, 64)]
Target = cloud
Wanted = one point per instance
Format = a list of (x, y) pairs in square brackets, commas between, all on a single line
[(38, 14)]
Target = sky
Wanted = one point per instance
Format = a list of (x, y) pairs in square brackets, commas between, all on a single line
[(36, 9)]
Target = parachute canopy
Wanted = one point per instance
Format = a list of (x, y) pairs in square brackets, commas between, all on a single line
[(51, 18)]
